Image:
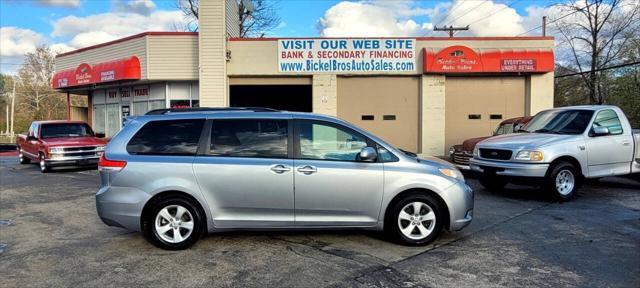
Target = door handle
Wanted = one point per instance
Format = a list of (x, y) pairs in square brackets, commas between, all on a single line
[(279, 168), (626, 143), (307, 169)]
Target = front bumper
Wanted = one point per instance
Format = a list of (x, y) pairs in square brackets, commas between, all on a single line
[(509, 168), (459, 198), (73, 161), (121, 207)]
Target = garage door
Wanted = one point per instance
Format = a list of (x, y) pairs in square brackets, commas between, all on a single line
[(475, 106), (385, 106)]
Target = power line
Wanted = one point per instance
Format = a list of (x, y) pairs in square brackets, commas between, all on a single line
[(555, 20), (466, 12), (598, 70), (494, 13)]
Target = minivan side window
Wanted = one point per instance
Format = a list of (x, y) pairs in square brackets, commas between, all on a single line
[(609, 119), (167, 137), (255, 138), (328, 142)]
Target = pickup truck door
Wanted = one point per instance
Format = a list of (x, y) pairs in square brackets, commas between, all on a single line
[(30, 146), (609, 154)]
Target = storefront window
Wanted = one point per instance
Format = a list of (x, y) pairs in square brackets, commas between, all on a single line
[(98, 118), (139, 108)]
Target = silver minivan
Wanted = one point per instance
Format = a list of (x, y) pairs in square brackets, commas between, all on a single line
[(181, 173)]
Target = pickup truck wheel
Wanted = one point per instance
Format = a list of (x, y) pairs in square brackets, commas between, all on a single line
[(174, 223), (21, 158), (414, 220), (492, 182), (563, 180), (44, 168)]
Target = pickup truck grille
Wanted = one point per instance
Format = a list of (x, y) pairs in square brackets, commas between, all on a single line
[(497, 154), (461, 158), (78, 149)]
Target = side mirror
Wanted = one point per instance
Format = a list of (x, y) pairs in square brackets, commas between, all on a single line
[(100, 135), (31, 138), (600, 131), (368, 154)]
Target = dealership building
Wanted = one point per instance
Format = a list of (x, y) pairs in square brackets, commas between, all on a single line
[(421, 94)]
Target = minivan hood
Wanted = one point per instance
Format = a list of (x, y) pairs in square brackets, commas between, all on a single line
[(434, 161), (524, 140)]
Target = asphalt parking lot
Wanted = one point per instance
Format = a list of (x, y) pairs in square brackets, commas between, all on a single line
[(50, 236)]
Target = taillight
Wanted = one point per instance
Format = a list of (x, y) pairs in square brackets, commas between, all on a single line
[(110, 165)]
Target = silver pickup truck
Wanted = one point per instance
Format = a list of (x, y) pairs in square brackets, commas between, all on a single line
[(559, 148)]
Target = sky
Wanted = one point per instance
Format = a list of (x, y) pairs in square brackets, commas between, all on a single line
[(66, 25)]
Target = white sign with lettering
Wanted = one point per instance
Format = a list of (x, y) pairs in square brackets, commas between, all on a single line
[(336, 56)]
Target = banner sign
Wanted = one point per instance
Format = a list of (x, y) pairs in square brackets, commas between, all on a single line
[(346, 55), (518, 65), (462, 59)]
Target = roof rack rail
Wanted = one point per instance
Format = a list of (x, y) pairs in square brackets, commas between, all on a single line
[(164, 111)]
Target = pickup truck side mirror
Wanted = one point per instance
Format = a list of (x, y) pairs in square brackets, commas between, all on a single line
[(600, 131), (31, 138), (100, 135)]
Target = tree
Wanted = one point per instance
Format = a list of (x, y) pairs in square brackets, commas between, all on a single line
[(252, 22), (596, 37), (36, 97)]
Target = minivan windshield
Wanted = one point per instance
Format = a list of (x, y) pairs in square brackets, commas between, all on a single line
[(65, 130), (560, 122)]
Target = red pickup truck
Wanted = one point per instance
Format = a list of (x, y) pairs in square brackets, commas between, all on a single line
[(461, 153), (60, 143)]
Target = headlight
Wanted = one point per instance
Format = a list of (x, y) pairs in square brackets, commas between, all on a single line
[(476, 152), (452, 150), (56, 149), (526, 155), (100, 148), (453, 173)]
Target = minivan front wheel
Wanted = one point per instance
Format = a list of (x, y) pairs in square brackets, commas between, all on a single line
[(174, 224), (415, 220)]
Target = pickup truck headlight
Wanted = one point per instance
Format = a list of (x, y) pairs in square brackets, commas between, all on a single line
[(100, 148), (452, 150), (453, 173), (476, 152), (56, 149), (526, 155)]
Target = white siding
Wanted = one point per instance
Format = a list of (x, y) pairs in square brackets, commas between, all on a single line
[(212, 51), (172, 57), (232, 18)]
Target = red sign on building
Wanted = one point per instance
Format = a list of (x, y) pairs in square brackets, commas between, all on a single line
[(85, 74), (462, 59)]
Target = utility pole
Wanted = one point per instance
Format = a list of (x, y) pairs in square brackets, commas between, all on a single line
[(13, 104), (450, 29), (544, 26)]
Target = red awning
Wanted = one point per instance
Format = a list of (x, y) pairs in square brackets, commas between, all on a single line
[(104, 72), (462, 59)]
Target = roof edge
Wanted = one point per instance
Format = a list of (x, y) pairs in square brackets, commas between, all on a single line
[(139, 35), (505, 38)]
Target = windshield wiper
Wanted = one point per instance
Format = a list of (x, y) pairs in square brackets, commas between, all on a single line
[(546, 131), (408, 153)]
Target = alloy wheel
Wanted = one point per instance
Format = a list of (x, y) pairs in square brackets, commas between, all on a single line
[(416, 220), (174, 223), (43, 164), (565, 181)]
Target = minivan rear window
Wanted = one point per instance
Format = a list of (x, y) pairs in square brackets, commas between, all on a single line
[(167, 137)]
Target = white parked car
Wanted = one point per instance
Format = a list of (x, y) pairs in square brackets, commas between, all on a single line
[(559, 148)]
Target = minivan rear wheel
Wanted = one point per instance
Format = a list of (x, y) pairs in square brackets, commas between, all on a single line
[(173, 224), (415, 220)]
